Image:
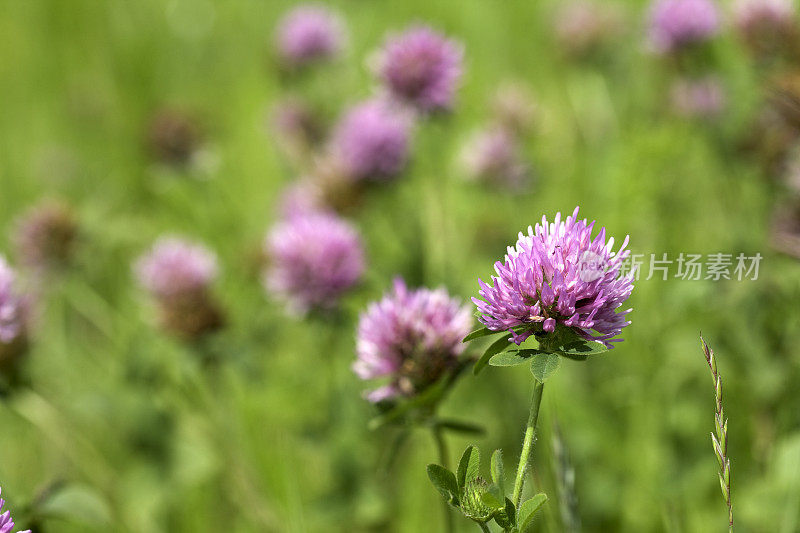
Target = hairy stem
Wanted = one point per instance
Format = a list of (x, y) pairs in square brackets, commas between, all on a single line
[(441, 446), (719, 438), (527, 444)]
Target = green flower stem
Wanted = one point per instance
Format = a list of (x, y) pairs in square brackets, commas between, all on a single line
[(527, 445), (484, 527), (441, 446)]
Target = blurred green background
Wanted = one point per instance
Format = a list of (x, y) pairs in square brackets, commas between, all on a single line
[(137, 436)]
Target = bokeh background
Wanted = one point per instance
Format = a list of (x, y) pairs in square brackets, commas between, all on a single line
[(121, 427)]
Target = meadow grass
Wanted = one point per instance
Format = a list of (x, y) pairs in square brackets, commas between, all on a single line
[(276, 439)]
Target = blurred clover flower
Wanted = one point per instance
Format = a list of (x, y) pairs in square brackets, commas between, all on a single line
[(784, 99), (45, 236), (514, 108), (558, 274), (675, 24), (329, 186), (702, 98), (752, 15), (583, 26), (174, 137), (13, 307), (309, 33), (6, 521), (372, 141), (421, 67), (178, 274), (786, 230), (174, 266), (296, 128), (766, 25), (314, 258), (791, 174), (412, 337), (14, 322), (300, 198), (493, 156)]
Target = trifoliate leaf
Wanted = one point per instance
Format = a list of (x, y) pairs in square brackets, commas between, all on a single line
[(529, 509), (507, 517), (513, 357), (566, 342), (445, 482), (582, 348), (498, 470), (543, 365), (493, 498), (469, 466)]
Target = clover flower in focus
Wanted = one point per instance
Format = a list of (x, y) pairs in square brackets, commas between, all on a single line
[(494, 156), (6, 521), (676, 24), (558, 275), (314, 258), (422, 68), (702, 98), (178, 274), (45, 236), (309, 33), (410, 337), (372, 141)]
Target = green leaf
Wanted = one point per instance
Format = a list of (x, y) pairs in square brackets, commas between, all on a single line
[(529, 508), (543, 365), (493, 498), (508, 359), (513, 357), (458, 426), (498, 470), (507, 518), (500, 345), (445, 482), (469, 466), (478, 333), (582, 348), (566, 342), (574, 357)]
